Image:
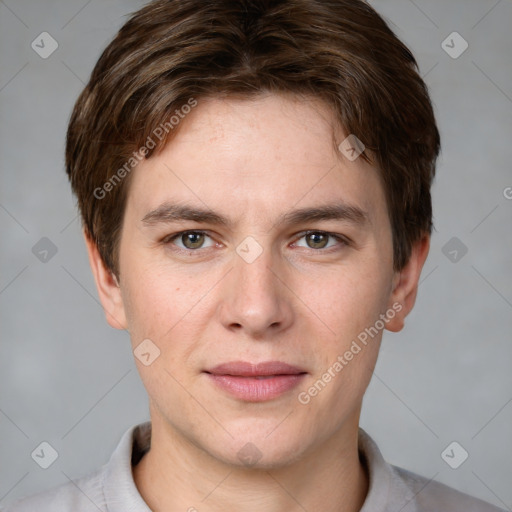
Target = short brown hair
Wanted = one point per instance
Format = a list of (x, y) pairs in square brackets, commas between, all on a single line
[(340, 51)]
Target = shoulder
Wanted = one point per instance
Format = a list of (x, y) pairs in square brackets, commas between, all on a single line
[(112, 484), (83, 495), (431, 495), (392, 488)]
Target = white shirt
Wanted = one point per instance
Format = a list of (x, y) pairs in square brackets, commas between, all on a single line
[(112, 488)]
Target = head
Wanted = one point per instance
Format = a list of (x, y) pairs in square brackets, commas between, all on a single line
[(251, 111)]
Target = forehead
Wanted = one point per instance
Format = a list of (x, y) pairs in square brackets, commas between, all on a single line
[(262, 155)]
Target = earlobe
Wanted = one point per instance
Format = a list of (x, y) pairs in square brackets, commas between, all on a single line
[(405, 284), (108, 287)]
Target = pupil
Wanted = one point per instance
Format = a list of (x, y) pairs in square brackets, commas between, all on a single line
[(193, 239), (318, 239)]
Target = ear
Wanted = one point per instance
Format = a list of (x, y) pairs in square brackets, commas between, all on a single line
[(107, 286), (405, 284)]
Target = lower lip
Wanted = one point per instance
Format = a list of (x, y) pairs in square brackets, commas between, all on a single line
[(252, 389)]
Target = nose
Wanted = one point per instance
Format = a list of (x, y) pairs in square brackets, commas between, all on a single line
[(255, 298)]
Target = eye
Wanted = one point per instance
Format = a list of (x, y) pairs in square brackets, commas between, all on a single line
[(191, 240), (320, 240)]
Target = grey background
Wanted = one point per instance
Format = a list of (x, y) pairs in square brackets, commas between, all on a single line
[(67, 378)]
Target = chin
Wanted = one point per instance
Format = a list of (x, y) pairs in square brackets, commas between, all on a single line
[(257, 450)]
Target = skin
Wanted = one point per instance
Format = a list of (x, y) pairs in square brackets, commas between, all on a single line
[(252, 160)]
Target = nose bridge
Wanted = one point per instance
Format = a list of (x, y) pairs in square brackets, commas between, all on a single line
[(253, 270), (254, 297), (254, 267)]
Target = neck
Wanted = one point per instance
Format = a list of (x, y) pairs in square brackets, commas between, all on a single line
[(177, 475)]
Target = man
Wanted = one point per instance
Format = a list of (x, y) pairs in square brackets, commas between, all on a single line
[(254, 183)]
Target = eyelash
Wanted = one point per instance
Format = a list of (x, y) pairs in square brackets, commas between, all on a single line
[(345, 242)]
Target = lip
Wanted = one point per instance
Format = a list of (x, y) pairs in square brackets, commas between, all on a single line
[(246, 369), (256, 382)]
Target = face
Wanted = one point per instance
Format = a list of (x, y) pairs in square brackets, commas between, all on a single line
[(250, 239)]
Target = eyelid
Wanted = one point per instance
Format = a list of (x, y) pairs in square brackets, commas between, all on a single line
[(341, 239), (170, 238)]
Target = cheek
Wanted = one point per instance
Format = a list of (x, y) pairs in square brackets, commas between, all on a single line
[(347, 300), (148, 301), (159, 302)]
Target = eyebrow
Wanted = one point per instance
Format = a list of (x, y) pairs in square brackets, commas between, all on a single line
[(169, 212)]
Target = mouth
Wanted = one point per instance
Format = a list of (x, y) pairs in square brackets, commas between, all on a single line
[(256, 382)]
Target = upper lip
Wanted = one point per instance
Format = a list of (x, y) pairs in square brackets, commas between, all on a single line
[(246, 369)]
